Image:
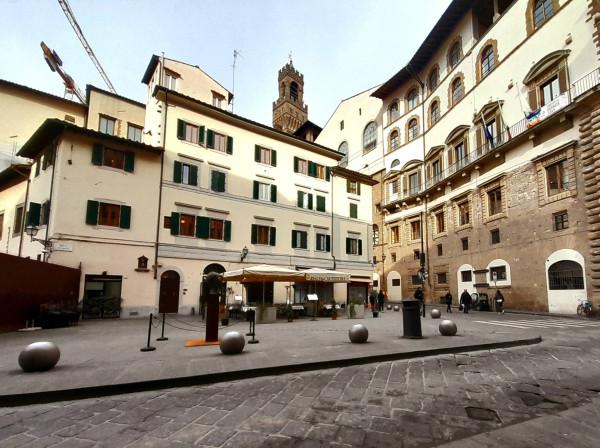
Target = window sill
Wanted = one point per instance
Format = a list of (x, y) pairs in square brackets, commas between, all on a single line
[(142, 270), (463, 227), (495, 217), (440, 235)]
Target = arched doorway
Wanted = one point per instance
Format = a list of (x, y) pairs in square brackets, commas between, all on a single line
[(465, 280), (168, 299), (566, 281), (394, 286)]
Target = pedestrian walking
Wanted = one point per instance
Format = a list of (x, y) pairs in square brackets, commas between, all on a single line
[(380, 299), (465, 301), (421, 298), (448, 297), (499, 300), (372, 300)]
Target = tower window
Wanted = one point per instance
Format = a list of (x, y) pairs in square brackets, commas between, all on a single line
[(294, 91)]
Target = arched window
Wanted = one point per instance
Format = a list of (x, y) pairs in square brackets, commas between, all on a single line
[(294, 91), (565, 274), (394, 164), (433, 80), (343, 148), (542, 11), (393, 110), (454, 55), (413, 129), (412, 99), (434, 112), (487, 61), (457, 90), (394, 140), (375, 234), (370, 137)]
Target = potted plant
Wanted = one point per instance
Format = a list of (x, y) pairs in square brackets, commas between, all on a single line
[(333, 313)]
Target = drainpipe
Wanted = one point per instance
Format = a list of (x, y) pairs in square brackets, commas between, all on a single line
[(332, 245), (24, 208), (51, 200), (160, 187)]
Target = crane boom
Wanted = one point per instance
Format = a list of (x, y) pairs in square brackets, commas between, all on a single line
[(64, 4), (55, 64)]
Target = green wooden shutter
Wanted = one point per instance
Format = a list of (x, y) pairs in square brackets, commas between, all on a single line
[(125, 218), (221, 182), (328, 243), (320, 203), (358, 188), (272, 236), (256, 153), (174, 223), (255, 190), (202, 226), (227, 231), (97, 152), (254, 234), (359, 247), (129, 162), (295, 164), (318, 242), (347, 185), (273, 157), (193, 175), (353, 211), (201, 131), (273, 193), (327, 173), (177, 172), (310, 201), (180, 129), (33, 217), (294, 232), (300, 202), (304, 240), (210, 139), (229, 145), (91, 215), (45, 213), (348, 245), (312, 169)]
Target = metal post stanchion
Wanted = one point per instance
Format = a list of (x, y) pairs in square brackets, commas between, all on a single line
[(253, 330), (162, 332), (148, 347)]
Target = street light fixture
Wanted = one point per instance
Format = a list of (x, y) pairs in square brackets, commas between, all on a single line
[(243, 254), (32, 231)]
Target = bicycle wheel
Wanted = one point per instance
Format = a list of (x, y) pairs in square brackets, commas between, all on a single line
[(580, 310)]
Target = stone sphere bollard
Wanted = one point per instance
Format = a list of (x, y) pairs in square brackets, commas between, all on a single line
[(447, 328), (358, 334), (389, 306), (435, 313), (396, 307), (232, 343), (39, 356)]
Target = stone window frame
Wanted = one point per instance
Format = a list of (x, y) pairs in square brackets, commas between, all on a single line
[(410, 120), (412, 88), (479, 72), (501, 183), (460, 134), (409, 239), (554, 64), (430, 122), (418, 170), (435, 154), (453, 42), (441, 269), (567, 154), (434, 214), (391, 119), (529, 19), (395, 225), (456, 205), (451, 103), (435, 68), (390, 148)]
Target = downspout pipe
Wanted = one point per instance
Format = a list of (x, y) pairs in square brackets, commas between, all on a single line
[(160, 186), (332, 244), (54, 157), (24, 208)]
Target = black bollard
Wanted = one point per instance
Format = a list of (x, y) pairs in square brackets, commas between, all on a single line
[(253, 330), (162, 333), (251, 315), (148, 347)]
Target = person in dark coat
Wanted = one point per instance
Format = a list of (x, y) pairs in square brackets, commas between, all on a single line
[(372, 300), (421, 298), (465, 300), (380, 299), (448, 298), (499, 300)]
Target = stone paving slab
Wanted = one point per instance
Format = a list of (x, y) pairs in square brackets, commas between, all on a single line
[(107, 353)]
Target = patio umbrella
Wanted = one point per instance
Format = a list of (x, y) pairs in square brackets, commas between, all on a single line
[(263, 273)]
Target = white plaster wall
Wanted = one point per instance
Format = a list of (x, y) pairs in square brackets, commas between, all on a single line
[(394, 292), (464, 285), (565, 301)]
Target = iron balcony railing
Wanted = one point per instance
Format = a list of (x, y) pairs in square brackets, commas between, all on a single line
[(578, 88)]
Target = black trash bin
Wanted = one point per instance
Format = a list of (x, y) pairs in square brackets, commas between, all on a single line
[(411, 319)]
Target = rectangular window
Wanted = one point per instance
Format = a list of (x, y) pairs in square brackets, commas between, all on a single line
[(440, 223), (375, 283), (465, 243), (416, 254), (352, 187), (217, 181), (395, 282), (109, 214), (550, 90), (353, 246), (320, 203), (436, 169), (263, 155), (263, 235), (466, 276), (190, 133), (264, 192), (299, 239), (393, 257), (463, 213), (134, 133), (557, 178), (305, 200), (459, 154), (320, 171), (107, 125), (498, 273), (187, 225), (216, 229), (413, 184), (170, 80), (415, 280), (217, 100), (113, 158), (301, 166), (353, 211), (394, 187), (321, 242), (494, 201), (220, 143), (495, 234), (440, 250), (415, 230), (395, 234), (442, 278), (167, 222), (561, 220)]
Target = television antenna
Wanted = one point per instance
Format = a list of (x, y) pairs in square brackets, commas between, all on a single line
[(236, 54)]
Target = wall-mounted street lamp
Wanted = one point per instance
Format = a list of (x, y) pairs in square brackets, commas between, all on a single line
[(32, 231), (243, 254)]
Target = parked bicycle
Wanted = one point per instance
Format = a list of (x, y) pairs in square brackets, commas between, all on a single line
[(584, 308)]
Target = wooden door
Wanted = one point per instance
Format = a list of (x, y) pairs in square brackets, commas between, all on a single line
[(168, 300)]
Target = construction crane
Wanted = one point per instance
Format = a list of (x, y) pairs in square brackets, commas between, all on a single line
[(55, 64), (64, 4)]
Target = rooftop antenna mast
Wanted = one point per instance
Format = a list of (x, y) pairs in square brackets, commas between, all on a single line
[(236, 54), (64, 4)]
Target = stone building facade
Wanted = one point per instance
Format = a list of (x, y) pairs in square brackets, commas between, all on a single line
[(289, 110)]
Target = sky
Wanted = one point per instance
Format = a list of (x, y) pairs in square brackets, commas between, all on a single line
[(341, 47)]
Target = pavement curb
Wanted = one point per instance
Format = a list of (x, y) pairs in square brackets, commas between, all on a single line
[(12, 400)]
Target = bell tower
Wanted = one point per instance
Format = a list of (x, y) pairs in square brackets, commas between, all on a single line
[(289, 111)]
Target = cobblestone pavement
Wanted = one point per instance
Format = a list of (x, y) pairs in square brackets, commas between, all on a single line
[(539, 390)]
